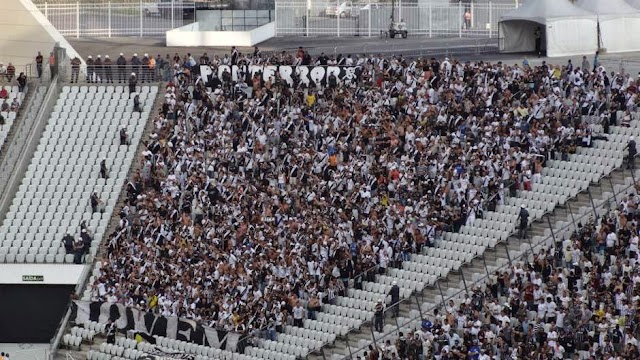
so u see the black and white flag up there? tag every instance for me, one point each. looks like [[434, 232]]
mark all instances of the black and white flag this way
[[172, 327]]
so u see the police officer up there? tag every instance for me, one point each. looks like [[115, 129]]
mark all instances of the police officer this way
[[75, 69], [122, 68], [108, 71], [135, 64], [90, 69], [98, 66]]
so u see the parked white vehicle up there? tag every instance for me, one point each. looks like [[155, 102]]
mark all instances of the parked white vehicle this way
[[345, 9]]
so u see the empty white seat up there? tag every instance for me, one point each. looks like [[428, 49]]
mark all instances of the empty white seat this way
[[65, 170]]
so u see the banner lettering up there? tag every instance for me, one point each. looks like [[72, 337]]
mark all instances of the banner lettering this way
[[309, 76], [145, 322]]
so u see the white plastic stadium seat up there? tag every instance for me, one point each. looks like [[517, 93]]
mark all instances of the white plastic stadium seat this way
[[54, 196]]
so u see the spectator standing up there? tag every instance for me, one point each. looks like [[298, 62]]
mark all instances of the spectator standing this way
[[108, 70], [136, 103], [121, 62], [75, 69], [124, 137], [523, 216], [78, 251], [111, 332], [631, 148], [298, 315], [67, 242], [52, 65], [467, 19], [378, 316], [96, 203], [104, 172], [22, 82], [11, 72], [133, 83], [394, 292], [3, 71], [39, 61]]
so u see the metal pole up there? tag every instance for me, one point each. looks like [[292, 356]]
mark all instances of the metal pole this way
[[109, 11], [613, 190], [430, 20], [46, 10], [472, 10], [346, 339], [400, 10], [141, 18], [338, 16], [441, 294], [464, 282], [373, 337], [77, 19], [553, 234], [306, 21], [506, 247], [173, 11], [419, 307], [593, 206], [517, 4], [573, 220], [490, 20], [460, 19], [369, 16]]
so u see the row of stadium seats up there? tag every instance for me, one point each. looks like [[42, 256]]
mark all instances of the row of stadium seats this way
[[53, 198]]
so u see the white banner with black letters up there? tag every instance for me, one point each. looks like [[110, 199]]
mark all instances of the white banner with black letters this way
[[309, 76], [172, 327]]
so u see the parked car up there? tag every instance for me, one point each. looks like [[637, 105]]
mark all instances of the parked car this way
[[345, 9]]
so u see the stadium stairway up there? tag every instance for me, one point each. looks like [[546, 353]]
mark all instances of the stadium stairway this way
[[13, 136], [54, 195], [569, 188]]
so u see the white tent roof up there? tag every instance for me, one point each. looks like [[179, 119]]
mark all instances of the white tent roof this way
[[541, 10], [609, 7], [634, 3]]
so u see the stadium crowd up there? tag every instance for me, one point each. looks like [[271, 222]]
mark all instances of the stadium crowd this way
[[244, 205], [577, 300]]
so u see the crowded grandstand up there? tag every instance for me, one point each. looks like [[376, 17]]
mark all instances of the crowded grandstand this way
[[283, 202]]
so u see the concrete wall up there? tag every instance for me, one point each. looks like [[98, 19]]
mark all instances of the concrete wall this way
[[192, 35], [24, 31]]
